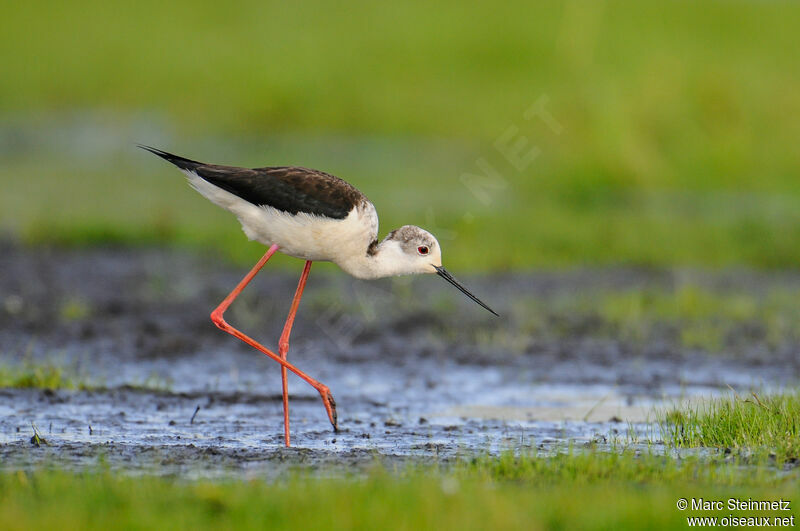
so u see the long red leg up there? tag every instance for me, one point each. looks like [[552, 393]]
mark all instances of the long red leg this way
[[217, 318], [283, 345]]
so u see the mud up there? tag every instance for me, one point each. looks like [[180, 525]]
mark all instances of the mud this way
[[411, 382]]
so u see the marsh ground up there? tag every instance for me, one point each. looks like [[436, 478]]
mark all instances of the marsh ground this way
[[581, 357]]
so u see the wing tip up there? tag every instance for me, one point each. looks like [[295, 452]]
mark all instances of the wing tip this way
[[181, 162]]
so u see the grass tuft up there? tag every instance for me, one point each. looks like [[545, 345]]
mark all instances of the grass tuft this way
[[757, 425], [49, 374], [43, 375]]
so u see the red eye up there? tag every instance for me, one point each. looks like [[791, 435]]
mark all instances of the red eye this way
[[422, 250]]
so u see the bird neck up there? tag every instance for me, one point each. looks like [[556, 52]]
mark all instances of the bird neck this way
[[384, 259]]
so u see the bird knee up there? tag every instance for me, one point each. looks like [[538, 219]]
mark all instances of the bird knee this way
[[283, 347], [217, 319]]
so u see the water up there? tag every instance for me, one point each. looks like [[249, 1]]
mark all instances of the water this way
[[404, 393]]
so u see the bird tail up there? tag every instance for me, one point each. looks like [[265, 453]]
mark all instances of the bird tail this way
[[180, 162]]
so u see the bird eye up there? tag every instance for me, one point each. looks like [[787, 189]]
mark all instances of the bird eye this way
[[423, 250]]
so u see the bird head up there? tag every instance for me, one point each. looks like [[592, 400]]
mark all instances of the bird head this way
[[417, 251]]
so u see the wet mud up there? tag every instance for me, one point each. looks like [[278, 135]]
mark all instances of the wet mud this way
[[418, 372]]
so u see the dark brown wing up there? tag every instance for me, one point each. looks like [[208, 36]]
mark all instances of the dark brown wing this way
[[290, 189]]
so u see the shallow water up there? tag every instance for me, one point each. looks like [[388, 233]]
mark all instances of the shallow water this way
[[384, 410], [403, 394]]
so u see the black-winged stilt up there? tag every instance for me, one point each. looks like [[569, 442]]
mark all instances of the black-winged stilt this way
[[314, 216]]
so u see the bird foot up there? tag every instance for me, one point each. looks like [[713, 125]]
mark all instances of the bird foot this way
[[330, 406]]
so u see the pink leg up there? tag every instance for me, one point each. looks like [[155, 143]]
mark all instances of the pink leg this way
[[217, 318], [283, 345]]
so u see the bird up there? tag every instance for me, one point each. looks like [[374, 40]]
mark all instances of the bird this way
[[314, 216]]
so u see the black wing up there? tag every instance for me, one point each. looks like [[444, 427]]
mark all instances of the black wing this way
[[290, 189]]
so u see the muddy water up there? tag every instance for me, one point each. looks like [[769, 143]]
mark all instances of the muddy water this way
[[175, 395]]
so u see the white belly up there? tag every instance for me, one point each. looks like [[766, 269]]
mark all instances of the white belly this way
[[301, 235]]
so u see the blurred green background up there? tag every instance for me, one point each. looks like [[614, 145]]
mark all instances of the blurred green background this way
[[671, 135]]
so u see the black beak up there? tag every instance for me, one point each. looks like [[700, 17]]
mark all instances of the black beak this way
[[442, 272]]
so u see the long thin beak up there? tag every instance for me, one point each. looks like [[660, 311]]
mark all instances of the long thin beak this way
[[442, 272]]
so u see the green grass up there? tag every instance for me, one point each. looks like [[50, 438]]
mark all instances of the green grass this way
[[761, 424], [42, 375], [51, 374], [586, 491], [690, 316], [678, 143]]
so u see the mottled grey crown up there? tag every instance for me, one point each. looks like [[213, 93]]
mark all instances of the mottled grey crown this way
[[410, 237]]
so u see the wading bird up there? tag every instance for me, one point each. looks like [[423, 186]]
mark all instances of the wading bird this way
[[313, 216]]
